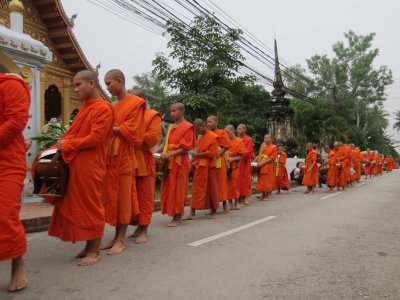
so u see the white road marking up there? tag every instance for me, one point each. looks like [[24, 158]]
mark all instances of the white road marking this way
[[229, 232], [331, 195]]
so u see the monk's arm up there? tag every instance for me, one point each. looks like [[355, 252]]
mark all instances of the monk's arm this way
[[222, 152], [153, 132], [102, 123], [132, 129], [16, 111], [236, 158]]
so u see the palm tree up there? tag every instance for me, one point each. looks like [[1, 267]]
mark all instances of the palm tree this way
[[397, 118]]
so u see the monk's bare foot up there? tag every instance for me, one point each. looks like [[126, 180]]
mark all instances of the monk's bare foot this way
[[306, 192], [238, 207], [246, 202], [108, 246], [142, 238], [278, 192], [226, 210], [136, 233], [118, 247], [188, 218], [18, 281], [211, 216], [174, 223], [90, 259], [259, 197]]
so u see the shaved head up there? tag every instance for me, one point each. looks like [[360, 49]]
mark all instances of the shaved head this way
[[88, 76], [116, 74], [213, 118], [244, 127], [230, 128], [199, 122], [179, 106], [139, 92]]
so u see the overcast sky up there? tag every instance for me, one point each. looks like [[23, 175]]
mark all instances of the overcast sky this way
[[302, 28]]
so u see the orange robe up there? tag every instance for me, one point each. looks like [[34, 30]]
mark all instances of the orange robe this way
[[221, 167], [146, 171], [80, 214], [360, 159], [375, 165], [369, 157], [354, 163], [204, 186], [237, 148], [174, 188], [347, 163], [120, 199], [311, 174], [341, 176], [282, 178], [245, 170], [14, 113], [267, 176], [331, 178]]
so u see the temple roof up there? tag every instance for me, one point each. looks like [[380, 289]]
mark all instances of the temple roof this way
[[60, 33]]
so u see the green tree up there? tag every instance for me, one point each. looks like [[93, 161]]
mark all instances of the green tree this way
[[350, 92], [150, 84], [250, 108], [208, 59]]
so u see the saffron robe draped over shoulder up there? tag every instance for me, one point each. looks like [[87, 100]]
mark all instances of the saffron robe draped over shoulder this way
[[369, 157], [120, 199], [80, 214], [237, 149], [145, 172], [341, 173], [311, 170], [174, 188], [14, 113], [204, 186], [221, 165], [331, 178], [282, 178], [245, 170], [267, 175]]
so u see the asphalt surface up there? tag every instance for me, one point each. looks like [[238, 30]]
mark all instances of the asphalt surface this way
[[345, 246]]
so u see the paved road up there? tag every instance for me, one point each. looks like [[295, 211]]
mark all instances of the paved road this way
[[343, 247]]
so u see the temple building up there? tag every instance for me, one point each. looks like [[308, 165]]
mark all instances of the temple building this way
[[37, 42], [280, 114]]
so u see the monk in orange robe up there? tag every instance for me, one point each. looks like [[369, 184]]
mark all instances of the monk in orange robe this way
[[311, 170], [145, 172], [14, 113], [120, 198], [235, 154], [245, 169], [340, 158], [79, 215], [179, 140], [267, 169], [331, 178], [375, 164], [347, 163], [282, 178], [353, 163], [204, 185], [368, 161], [360, 160], [221, 163]]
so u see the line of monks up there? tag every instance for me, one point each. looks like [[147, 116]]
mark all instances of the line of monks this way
[[343, 166], [109, 152]]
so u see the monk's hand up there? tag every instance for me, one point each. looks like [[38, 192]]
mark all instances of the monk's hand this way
[[166, 156], [60, 144]]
